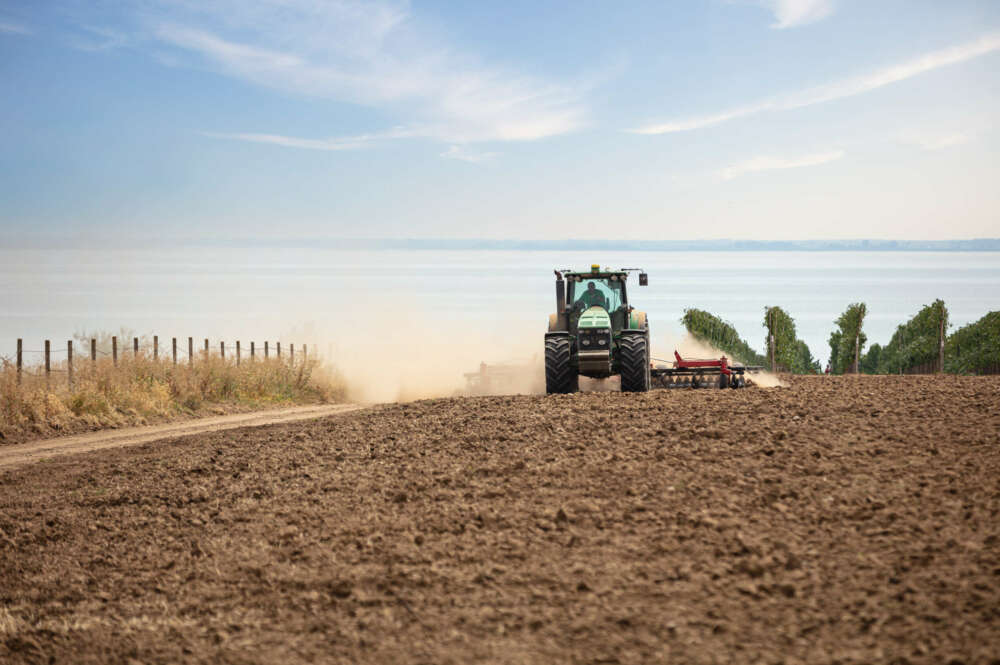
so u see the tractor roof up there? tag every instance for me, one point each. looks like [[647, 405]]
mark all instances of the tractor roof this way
[[595, 271]]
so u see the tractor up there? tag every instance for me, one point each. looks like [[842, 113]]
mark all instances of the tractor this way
[[595, 332]]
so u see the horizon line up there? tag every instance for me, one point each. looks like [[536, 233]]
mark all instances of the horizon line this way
[[71, 241]]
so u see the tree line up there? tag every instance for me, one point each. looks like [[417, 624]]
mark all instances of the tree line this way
[[785, 351], [920, 345]]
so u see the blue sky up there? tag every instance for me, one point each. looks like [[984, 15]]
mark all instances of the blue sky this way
[[769, 119]]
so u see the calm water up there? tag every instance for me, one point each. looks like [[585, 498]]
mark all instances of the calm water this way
[[328, 296]]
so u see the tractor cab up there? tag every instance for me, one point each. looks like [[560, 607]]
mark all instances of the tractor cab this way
[[597, 301]]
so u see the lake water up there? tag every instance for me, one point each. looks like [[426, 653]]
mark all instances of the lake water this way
[[420, 303]]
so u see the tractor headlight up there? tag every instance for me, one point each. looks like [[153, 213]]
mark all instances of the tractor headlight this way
[[602, 341]]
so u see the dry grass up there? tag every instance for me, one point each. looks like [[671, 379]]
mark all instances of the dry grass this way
[[141, 390]]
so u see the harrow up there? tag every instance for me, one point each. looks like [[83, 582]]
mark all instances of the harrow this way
[[699, 373]]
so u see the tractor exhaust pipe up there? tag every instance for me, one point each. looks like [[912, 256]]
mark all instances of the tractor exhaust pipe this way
[[561, 322]]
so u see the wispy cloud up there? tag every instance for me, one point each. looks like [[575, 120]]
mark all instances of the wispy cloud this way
[[793, 13], [327, 144], [377, 55], [838, 89], [97, 38], [464, 154], [933, 140], [11, 28], [769, 163]]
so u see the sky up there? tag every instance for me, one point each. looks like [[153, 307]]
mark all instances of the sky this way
[[749, 119]]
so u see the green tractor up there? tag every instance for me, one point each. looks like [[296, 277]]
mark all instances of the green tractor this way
[[595, 332]]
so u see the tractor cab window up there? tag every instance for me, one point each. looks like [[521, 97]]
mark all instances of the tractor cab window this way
[[595, 291]]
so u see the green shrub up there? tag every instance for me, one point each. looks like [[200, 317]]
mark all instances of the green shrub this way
[[720, 334], [974, 348], [842, 341], [915, 342], [804, 361], [790, 353], [871, 361]]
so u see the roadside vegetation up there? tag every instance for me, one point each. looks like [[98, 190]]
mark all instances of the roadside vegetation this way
[[140, 390]]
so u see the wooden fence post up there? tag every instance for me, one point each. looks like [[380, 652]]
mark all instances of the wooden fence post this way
[[69, 363], [857, 351], [190, 350], [93, 351], [174, 349], [277, 348], [305, 350], [114, 350], [135, 348], [222, 350], [770, 332], [20, 358], [48, 364], [291, 353], [251, 350], [237, 353], [941, 345], [266, 350], [156, 347], [206, 349]]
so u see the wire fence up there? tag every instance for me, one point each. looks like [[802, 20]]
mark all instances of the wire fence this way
[[74, 358]]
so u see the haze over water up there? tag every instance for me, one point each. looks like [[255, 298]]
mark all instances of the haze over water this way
[[424, 299]]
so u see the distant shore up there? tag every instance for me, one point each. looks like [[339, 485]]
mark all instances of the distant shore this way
[[40, 241]]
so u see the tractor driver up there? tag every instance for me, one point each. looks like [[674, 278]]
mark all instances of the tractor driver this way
[[592, 297]]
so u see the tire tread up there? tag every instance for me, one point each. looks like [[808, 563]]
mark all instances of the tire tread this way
[[560, 376], [634, 358]]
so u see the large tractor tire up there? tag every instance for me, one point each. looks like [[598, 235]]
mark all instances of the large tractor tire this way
[[560, 375], [634, 354]]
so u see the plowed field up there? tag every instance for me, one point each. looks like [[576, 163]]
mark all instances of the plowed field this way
[[840, 520]]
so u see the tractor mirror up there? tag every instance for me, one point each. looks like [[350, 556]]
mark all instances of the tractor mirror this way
[[643, 279]]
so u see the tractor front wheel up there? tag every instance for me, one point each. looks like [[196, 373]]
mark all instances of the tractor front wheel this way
[[634, 352], [560, 376]]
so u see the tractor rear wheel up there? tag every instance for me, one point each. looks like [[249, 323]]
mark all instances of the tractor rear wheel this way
[[560, 376], [634, 352]]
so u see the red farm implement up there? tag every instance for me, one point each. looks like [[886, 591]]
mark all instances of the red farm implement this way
[[699, 373]]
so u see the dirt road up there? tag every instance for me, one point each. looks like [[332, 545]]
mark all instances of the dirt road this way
[[840, 520], [46, 449]]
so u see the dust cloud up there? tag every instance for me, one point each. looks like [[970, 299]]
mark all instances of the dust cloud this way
[[417, 354], [388, 354], [764, 379]]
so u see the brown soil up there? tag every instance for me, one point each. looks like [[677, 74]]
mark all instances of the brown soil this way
[[840, 520], [46, 449], [130, 418]]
